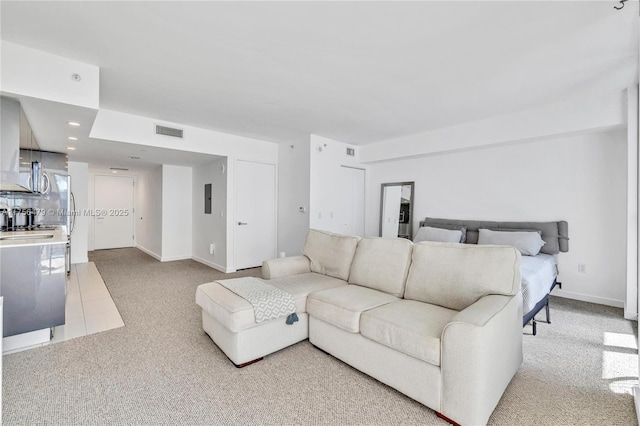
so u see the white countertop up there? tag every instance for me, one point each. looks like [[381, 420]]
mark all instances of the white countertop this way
[[32, 238]]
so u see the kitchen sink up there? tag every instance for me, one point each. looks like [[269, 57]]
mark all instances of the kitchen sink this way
[[26, 237]]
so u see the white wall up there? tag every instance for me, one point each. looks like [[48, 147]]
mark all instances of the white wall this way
[[631, 300], [129, 128], [210, 228], [327, 209], [38, 74], [586, 113], [293, 194], [79, 173], [148, 212], [117, 126], [162, 210], [176, 212], [581, 179]]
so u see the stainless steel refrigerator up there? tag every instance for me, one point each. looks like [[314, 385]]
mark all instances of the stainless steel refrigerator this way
[[53, 202]]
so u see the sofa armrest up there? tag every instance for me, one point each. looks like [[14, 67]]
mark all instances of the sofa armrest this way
[[284, 266], [480, 353]]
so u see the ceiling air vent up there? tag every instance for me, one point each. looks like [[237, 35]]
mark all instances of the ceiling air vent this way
[[122, 169], [168, 131]]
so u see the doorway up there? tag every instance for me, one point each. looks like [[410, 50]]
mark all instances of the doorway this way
[[255, 224], [113, 212], [353, 201]]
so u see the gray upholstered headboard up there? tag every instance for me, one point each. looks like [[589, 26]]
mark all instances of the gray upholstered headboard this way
[[554, 234]]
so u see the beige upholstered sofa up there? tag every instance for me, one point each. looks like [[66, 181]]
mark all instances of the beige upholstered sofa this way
[[440, 323]]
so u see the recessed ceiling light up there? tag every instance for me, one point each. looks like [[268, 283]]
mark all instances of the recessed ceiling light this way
[[73, 123], [114, 171], [70, 148], [72, 138]]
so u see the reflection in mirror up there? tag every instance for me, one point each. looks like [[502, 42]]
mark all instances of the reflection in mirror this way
[[396, 210]]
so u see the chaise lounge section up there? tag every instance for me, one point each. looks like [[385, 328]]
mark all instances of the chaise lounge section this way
[[230, 320], [438, 322]]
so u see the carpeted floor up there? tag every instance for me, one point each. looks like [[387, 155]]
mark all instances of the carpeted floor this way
[[161, 368]]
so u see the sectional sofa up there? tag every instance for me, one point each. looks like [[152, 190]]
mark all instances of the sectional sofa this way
[[439, 322]]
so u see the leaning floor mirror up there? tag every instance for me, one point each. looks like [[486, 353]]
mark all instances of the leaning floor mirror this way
[[396, 210]]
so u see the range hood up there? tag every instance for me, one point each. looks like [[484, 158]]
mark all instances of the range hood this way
[[14, 127]]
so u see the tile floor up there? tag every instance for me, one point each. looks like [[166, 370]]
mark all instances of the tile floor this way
[[89, 307]]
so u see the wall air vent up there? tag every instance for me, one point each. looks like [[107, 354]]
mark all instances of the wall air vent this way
[[351, 152], [168, 131], [133, 157]]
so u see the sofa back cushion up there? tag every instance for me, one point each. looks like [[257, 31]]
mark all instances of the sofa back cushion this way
[[455, 276], [382, 264], [330, 254]]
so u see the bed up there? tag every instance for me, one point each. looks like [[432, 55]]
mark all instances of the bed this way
[[539, 272]]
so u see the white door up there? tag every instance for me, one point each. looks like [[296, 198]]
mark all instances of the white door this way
[[391, 211], [353, 201], [113, 203], [255, 213]]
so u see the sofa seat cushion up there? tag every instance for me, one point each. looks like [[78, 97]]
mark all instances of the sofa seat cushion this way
[[236, 314], [382, 264], [342, 306], [408, 326], [299, 286]]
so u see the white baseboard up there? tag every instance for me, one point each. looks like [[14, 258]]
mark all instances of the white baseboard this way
[[636, 398], [160, 258], [79, 260], [24, 341], [212, 264], [588, 298], [172, 258], [149, 252], [633, 316]]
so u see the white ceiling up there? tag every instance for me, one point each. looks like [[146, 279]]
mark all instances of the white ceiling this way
[[357, 72]]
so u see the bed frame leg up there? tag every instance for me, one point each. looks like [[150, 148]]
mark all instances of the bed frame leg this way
[[547, 311], [533, 323]]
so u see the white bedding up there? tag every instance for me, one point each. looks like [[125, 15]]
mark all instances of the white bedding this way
[[538, 273]]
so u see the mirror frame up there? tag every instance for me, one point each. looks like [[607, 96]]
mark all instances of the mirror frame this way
[[382, 187]]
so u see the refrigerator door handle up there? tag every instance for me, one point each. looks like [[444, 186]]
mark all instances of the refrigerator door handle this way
[[47, 184]]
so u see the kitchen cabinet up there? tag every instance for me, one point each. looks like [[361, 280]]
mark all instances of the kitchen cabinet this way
[[32, 281]]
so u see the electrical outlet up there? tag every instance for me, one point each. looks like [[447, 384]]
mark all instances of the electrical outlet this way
[[212, 248], [582, 268]]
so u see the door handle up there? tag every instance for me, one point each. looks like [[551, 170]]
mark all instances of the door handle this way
[[242, 223]]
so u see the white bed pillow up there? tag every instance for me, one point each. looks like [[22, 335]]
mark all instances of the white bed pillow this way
[[428, 233], [528, 243]]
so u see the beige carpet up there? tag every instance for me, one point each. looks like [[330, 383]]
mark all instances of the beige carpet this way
[[160, 368]]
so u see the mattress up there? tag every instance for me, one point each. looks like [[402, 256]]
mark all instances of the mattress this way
[[538, 273]]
